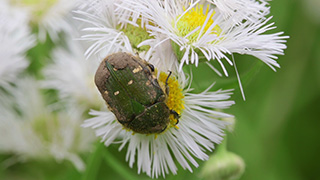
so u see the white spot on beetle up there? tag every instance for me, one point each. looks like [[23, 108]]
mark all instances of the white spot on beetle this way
[[116, 93], [138, 69]]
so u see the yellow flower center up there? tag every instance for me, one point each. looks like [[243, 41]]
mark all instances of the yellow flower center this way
[[175, 98], [37, 7], [193, 19]]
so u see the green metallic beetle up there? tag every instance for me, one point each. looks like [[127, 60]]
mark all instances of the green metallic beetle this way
[[129, 86]]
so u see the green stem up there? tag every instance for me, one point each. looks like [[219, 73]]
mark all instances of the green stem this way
[[118, 167], [222, 147], [94, 163]]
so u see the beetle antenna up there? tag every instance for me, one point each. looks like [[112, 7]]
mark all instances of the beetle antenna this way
[[170, 72], [167, 87]]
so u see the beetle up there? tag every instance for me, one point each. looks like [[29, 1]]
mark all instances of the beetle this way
[[132, 92]]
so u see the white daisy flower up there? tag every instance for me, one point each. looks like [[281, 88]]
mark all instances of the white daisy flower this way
[[184, 139], [49, 16], [72, 75], [240, 10], [162, 57], [15, 40], [200, 30], [30, 130], [107, 32]]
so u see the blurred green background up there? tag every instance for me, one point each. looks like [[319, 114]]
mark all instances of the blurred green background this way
[[277, 128]]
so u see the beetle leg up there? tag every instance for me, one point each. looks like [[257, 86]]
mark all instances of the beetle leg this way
[[167, 87], [151, 67], [163, 129], [176, 115], [148, 68], [177, 121]]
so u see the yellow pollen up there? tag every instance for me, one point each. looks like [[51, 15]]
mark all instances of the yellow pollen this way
[[193, 19], [175, 98]]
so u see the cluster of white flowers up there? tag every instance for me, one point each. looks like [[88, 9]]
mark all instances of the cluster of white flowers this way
[[48, 16], [35, 132], [169, 34], [29, 127], [200, 30], [16, 39], [72, 75]]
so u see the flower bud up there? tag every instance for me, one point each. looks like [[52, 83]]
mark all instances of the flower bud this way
[[223, 166]]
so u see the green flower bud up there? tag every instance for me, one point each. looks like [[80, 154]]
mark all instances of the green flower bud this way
[[223, 166]]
